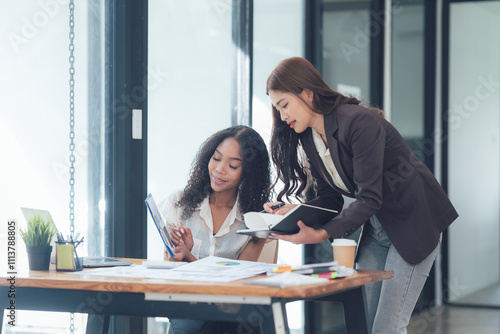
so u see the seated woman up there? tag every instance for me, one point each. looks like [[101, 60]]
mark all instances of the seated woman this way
[[230, 176]]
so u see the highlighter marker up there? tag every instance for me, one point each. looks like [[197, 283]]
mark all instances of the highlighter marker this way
[[283, 269], [329, 275]]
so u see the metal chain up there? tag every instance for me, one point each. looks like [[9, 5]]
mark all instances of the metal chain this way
[[72, 131]]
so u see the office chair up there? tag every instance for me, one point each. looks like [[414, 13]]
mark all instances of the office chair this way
[[269, 253]]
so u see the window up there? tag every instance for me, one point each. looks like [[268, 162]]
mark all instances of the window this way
[[34, 127]]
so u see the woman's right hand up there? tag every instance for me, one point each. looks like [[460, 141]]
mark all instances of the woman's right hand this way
[[182, 236], [279, 211]]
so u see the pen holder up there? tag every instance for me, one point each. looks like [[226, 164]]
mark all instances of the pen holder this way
[[66, 256]]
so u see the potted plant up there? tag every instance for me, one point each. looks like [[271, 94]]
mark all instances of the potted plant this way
[[37, 237]]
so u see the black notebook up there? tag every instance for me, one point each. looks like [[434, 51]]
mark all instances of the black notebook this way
[[260, 225]]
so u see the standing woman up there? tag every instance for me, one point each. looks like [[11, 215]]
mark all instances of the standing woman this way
[[353, 151]]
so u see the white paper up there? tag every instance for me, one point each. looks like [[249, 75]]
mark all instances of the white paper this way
[[261, 221], [286, 279], [223, 266], [210, 269], [161, 264]]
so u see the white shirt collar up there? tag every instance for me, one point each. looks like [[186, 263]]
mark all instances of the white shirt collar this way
[[234, 215]]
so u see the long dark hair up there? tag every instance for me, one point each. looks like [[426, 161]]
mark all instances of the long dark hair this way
[[255, 178], [293, 75]]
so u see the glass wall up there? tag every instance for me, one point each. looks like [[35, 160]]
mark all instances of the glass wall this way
[[474, 152], [407, 89], [409, 71], [34, 127], [278, 33], [190, 47], [346, 49], [190, 87], [346, 40]]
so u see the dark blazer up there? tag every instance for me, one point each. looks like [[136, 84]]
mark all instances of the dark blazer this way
[[385, 178]]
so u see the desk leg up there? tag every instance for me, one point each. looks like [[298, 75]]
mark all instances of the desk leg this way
[[355, 316], [279, 318], [97, 324]]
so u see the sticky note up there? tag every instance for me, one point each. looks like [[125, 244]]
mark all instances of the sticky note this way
[[64, 257]]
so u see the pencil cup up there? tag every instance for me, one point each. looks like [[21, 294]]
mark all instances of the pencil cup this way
[[66, 257], [344, 251]]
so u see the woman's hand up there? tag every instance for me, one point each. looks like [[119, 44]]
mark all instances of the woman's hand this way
[[182, 253], [166, 256], [182, 236], [306, 235], [175, 234], [279, 211]]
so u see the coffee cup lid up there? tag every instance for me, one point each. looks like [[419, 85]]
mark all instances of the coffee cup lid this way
[[343, 242]]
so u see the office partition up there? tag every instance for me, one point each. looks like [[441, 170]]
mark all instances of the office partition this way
[[472, 118]]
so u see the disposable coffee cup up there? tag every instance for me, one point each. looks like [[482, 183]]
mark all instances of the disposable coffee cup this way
[[344, 251]]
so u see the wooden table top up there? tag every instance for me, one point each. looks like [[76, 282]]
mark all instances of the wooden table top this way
[[53, 279]]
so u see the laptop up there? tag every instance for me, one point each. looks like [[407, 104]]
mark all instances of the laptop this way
[[88, 262], [94, 262]]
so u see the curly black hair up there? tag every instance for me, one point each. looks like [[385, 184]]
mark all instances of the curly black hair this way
[[255, 185]]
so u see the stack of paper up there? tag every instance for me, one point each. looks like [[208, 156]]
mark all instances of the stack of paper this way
[[286, 279], [161, 264], [313, 268], [209, 269], [328, 270]]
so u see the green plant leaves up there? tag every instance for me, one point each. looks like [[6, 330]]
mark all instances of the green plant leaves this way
[[39, 231]]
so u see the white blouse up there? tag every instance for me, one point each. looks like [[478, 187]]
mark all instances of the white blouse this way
[[226, 243], [324, 154]]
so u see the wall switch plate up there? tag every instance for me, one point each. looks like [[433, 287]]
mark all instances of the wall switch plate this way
[[136, 124]]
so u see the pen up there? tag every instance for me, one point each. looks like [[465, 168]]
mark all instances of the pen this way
[[300, 270], [172, 226], [77, 260], [78, 242], [316, 270], [274, 207]]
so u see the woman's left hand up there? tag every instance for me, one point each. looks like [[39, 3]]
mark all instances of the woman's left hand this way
[[306, 235]]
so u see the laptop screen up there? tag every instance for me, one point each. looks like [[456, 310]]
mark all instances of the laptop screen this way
[[99, 261]]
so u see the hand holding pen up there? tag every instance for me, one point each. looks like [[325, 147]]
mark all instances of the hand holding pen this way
[[277, 208], [181, 235]]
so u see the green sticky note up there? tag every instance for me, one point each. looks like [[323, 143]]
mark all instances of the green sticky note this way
[[64, 257]]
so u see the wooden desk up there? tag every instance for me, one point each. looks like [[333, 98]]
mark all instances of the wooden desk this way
[[105, 296]]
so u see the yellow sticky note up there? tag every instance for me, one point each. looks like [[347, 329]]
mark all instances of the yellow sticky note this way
[[64, 255]]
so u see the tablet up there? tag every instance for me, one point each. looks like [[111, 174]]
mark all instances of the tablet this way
[[160, 225]]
